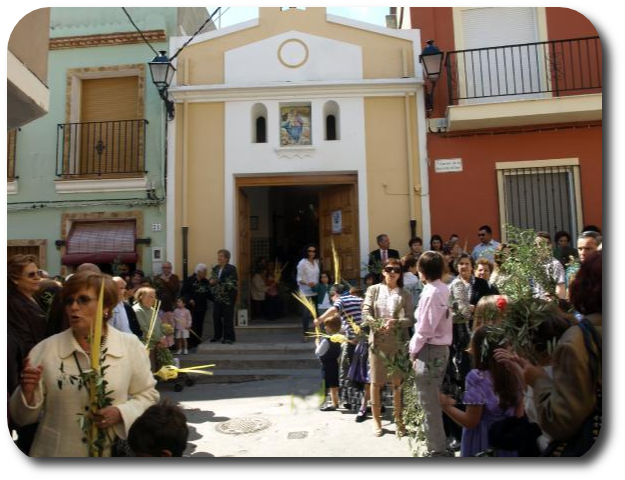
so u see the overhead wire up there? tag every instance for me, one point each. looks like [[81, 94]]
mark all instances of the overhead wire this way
[[140, 32], [218, 9]]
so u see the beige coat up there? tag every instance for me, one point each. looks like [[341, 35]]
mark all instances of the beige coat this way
[[566, 400], [128, 376], [391, 342]]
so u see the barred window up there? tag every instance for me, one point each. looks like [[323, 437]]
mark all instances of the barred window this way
[[543, 198]]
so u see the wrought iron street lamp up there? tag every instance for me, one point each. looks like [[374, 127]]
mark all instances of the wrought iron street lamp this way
[[162, 72], [432, 60]]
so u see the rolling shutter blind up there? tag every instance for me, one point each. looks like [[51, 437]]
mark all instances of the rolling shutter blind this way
[[492, 27], [108, 99]]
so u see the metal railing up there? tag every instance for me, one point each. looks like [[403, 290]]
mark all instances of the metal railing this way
[[11, 154], [115, 148], [559, 67]]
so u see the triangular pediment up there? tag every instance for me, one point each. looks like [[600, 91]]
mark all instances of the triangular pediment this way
[[293, 57]]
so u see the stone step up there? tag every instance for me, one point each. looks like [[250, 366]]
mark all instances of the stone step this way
[[246, 348], [221, 376], [269, 330], [252, 362]]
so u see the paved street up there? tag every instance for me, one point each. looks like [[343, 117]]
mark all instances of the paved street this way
[[296, 428]]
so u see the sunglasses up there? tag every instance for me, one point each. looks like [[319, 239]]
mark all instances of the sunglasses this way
[[38, 273], [392, 269], [81, 300]]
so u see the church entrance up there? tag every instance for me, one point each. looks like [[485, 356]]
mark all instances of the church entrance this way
[[278, 218]]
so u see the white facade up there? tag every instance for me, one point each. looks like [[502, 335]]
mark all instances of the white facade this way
[[293, 57], [261, 62], [297, 68]]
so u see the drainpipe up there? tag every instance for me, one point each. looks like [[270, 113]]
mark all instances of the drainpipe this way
[[185, 190], [411, 189], [424, 190], [185, 177]]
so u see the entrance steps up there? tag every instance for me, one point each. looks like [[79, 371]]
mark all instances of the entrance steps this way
[[263, 351]]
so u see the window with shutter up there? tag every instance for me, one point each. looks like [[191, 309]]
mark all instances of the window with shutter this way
[[110, 131], [512, 70], [11, 150]]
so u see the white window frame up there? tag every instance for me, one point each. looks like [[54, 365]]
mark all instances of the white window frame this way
[[501, 168]]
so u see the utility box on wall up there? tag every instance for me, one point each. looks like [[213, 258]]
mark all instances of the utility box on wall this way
[[242, 318], [157, 259]]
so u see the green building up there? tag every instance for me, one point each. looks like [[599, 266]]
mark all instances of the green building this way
[[86, 182]]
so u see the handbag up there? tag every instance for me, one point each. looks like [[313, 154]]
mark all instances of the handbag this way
[[587, 434]]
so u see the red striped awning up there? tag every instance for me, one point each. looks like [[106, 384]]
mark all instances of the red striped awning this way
[[101, 242]]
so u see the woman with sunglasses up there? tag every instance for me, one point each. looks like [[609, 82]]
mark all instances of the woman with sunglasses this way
[[27, 326], [45, 393], [308, 272], [390, 303], [25, 317]]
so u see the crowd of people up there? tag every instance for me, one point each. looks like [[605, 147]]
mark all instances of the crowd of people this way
[[433, 315], [50, 325], [479, 390]]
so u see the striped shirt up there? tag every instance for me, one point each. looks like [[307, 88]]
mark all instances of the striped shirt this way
[[349, 306]]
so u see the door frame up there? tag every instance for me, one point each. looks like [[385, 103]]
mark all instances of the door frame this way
[[295, 180]]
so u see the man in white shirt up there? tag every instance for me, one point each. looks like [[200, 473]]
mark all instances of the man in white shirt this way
[[119, 319]]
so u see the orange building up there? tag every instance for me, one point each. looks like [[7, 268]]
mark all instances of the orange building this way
[[515, 128]]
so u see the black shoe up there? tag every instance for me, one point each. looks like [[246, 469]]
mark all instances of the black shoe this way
[[347, 406], [453, 445], [213, 340], [227, 342], [361, 416], [447, 453], [328, 408]]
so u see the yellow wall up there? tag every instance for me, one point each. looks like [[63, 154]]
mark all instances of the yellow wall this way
[[382, 55], [387, 164], [205, 193]]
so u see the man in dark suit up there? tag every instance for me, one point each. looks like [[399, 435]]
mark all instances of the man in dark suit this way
[[378, 257], [224, 286]]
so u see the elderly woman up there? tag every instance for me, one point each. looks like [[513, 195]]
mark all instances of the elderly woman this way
[[196, 292], [389, 303], [24, 315], [45, 393], [144, 308], [26, 327]]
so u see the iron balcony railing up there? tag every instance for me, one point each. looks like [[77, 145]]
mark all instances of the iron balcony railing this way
[[531, 70], [11, 154], [115, 148]]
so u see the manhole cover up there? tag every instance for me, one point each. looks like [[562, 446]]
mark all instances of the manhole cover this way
[[239, 426]]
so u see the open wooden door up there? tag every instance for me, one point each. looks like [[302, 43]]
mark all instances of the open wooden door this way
[[243, 250], [338, 207]]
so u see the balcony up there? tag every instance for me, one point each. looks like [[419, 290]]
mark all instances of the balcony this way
[[558, 81], [101, 149], [101, 156]]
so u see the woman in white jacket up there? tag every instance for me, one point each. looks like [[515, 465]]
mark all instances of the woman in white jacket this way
[[45, 394]]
